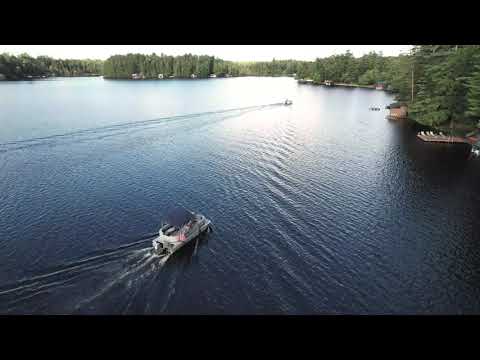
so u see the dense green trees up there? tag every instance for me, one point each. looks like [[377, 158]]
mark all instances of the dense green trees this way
[[150, 66], [444, 84], [25, 66], [473, 97], [441, 83], [345, 68], [184, 66]]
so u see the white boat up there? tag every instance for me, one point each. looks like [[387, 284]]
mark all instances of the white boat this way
[[179, 228]]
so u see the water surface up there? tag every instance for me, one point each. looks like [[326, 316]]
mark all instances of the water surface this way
[[319, 207]]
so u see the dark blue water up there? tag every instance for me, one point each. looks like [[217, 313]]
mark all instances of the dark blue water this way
[[322, 207]]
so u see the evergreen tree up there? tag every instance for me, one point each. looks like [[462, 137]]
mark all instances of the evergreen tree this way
[[473, 96]]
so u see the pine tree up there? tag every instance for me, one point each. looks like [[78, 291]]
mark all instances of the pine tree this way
[[473, 95]]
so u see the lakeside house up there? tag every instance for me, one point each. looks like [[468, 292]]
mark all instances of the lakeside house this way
[[160, 76], [398, 110], [138, 76], [380, 86]]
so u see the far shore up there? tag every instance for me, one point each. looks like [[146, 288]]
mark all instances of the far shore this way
[[316, 83], [45, 77]]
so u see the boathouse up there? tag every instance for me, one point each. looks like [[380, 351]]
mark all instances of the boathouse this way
[[398, 110]]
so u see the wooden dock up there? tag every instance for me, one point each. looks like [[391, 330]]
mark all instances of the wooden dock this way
[[393, 117], [443, 139], [334, 84], [356, 86]]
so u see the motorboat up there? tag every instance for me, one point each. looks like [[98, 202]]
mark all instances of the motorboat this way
[[288, 102], [179, 227]]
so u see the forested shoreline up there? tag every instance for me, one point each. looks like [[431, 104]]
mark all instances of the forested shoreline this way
[[24, 67], [188, 66], [439, 83]]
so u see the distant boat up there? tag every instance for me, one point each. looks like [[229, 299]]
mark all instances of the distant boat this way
[[288, 102]]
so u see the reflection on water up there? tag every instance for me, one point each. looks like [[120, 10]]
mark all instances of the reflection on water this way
[[319, 207]]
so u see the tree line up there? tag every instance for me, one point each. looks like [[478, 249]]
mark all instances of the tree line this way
[[440, 83], [184, 66], [345, 68], [24, 67], [444, 86]]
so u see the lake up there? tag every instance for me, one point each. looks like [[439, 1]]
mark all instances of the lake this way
[[321, 207]]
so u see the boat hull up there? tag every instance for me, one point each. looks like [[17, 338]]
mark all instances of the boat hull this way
[[167, 245]]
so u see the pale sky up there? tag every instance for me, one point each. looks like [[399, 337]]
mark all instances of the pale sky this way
[[225, 52]]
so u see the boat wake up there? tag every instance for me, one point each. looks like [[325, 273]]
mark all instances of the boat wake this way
[[86, 281], [99, 133]]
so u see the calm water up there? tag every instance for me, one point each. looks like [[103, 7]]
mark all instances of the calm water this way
[[322, 207]]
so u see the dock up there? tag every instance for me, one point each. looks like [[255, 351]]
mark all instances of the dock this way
[[333, 84], [443, 139], [305, 81], [356, 86], [393, 117]]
